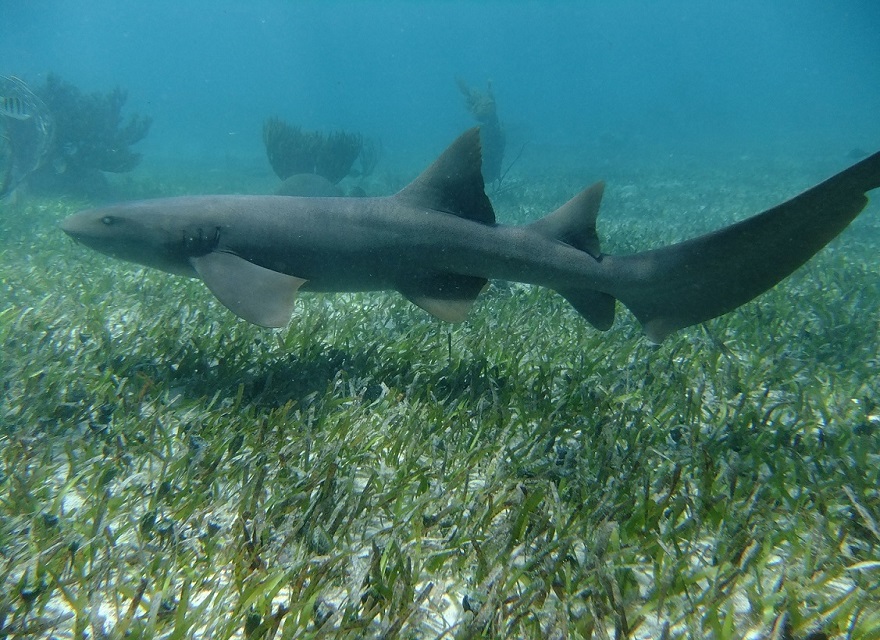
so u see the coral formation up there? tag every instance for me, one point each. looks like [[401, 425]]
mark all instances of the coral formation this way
[[91, 137], [293, 151]]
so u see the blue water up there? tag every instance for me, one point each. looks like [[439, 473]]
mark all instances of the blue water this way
[[659, 77]]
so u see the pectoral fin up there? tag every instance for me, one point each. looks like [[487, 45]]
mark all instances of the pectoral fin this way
[[251, 292]]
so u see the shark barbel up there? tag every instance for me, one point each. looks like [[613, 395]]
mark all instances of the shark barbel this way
[[437, 243]]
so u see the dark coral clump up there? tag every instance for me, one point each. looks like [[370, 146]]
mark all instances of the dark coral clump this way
[[91, 137], [293, 151], [484, 109]]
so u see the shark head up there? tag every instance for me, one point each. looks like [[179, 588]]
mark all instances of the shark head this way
[[182, 236], [150, 233]]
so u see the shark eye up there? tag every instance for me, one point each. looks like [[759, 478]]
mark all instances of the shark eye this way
[[107, 220]]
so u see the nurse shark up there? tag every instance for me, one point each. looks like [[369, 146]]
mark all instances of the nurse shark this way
[[437, 243]]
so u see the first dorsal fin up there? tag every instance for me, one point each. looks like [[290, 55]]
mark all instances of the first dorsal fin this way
[[454, 183]]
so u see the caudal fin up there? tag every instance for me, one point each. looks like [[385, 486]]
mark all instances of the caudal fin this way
[[574, 223], [686, 283]]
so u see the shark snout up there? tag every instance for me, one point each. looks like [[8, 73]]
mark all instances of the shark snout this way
[[86, 225], [76, 225], [68, 227], [86, 228]]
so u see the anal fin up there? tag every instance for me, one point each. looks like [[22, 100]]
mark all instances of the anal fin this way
[[596, 307], [259, 295]]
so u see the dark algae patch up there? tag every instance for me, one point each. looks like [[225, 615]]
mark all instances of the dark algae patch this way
[[167, 470]]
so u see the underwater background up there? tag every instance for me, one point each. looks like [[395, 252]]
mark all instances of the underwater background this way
[[664, 77], [167, 470]]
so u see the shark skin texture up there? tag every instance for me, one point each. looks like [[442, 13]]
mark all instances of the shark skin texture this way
[[437, 243]]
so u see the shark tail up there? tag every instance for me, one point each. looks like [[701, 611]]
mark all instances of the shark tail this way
[[574, 223], [687, 283]]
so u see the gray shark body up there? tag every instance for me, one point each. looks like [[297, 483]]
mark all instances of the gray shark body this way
[[437, 243]]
